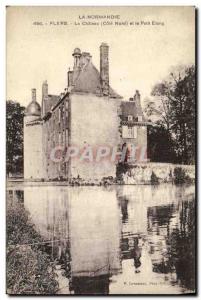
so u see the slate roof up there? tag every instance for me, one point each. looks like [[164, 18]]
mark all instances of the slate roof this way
[[130, 108], [48, 104], [87, 80]]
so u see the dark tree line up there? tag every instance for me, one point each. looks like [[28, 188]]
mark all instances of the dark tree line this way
[[14, 138], [172, 137]]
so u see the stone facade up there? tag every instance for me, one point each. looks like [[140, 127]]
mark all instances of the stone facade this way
[[56, 135], [134, 129], [89, 114], [100, 129]]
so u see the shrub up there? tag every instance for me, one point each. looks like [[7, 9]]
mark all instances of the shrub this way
[[121, 169], [180, 176], [154, 179]]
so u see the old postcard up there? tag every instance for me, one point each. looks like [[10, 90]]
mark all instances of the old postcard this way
[[100, 154]]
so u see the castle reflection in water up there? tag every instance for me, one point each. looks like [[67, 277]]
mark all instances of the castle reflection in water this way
[[93, 233]]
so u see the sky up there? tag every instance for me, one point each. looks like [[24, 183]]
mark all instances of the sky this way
[[140, 52]]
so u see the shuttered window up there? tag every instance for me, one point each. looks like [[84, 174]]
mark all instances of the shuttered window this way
[[129, 132]]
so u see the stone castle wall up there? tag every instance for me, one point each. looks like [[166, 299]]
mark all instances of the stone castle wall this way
[[94, 122], [152, 173]]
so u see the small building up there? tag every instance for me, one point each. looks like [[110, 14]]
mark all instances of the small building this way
[[134, 129]]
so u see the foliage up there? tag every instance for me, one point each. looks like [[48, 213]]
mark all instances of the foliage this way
[[180, 176], [121, 169], [29, 268], [19, 229], [160, 144], [14, 137], [29, 272], [173, 105]]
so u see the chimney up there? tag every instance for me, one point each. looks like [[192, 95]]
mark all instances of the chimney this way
[[104, 68], [137, 99], [70, 78], [44, 90], [33, 95]]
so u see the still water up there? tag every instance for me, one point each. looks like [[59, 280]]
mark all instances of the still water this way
[[117, 240]]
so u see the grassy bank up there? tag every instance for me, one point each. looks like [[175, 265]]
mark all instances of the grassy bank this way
[[29, 268]]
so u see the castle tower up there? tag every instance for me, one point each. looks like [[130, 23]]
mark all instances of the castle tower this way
[[33, 166]]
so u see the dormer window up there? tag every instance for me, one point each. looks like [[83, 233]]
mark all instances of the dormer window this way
[[139, 118], [130, 118]]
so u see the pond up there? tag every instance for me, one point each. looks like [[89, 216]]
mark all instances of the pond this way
[[117, 239]]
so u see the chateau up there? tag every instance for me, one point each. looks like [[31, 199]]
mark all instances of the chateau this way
[[88, 115]]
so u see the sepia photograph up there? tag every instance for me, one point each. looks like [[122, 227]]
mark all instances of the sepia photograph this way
[[101, 150]]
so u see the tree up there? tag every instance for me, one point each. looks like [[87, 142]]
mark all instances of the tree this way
[[174, 104], [183, 114], [160, 144], [14, 137]]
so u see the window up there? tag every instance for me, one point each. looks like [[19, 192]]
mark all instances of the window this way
[[129, 132], [130, 118], [139, 118], [59, 138], [64, 137]]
